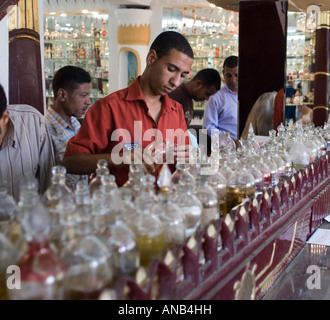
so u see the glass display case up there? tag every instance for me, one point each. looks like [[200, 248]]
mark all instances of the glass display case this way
[[80, 41], [300, 65]]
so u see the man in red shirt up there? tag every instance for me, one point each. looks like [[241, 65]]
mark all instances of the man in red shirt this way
[[127, 125]]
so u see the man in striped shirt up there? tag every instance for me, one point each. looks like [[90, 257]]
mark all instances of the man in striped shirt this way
[[25, 146], [71, 87]]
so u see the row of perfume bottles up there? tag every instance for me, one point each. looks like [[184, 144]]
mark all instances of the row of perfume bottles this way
[[79, 32], [90, 237], [76, 50], [299, 48], [206, 28], [300, 73], [205, 48]]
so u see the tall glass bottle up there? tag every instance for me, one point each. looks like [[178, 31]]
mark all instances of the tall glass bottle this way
[[209, 199], [219, 183], [102, 169], [59, 201], [168, 212], [82, 213], [149, 229], [150, 235], [299, 153], [189, 204]]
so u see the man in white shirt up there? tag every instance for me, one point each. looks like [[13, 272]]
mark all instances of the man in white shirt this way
[[25, 146]]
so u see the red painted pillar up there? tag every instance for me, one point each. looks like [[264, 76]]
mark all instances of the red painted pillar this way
[[322, 54]]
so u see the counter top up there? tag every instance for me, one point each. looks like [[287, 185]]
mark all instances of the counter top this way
[[307, 277]]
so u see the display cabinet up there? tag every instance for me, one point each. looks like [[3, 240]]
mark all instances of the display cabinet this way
[[300, 63], [77, 41]]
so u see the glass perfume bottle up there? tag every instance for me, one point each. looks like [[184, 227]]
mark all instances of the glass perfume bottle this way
[[241, 186], [150, 235], [59, 201], [102, 169], [121, 242], [209, 199], [299, 153], [189, 203], [89, 271], [82, 213], [168, 212]]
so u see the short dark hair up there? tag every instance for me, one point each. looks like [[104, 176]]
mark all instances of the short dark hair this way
[[168, 40], [3, 100], [209, 77], [69, 77], [230, 62]]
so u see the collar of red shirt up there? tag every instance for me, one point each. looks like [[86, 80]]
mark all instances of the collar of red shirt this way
[[134, 92]]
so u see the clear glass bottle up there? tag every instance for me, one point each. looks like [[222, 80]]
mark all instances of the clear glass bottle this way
[[219, 183], [59, 201], [209, 199], [82, 213], [241, 186], [89, 272], [134, 181], [189, 204], [102, 169], [182, 169], [311, 146], [147, 197], [299, 153], [121, 242], [7, 206], [168, 212]]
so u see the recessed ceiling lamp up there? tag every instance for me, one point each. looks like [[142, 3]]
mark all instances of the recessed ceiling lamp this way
[[52, 13], [63, 14], [95, 13], [84, 11]]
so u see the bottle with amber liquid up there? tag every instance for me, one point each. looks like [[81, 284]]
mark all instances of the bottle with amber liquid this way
[[241, 186], [148, 228]]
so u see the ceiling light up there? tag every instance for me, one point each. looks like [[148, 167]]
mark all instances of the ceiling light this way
[[84, 11]]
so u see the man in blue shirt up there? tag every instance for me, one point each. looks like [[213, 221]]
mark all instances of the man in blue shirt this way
[[221, 110]]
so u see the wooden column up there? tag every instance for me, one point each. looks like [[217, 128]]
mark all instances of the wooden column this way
[[322, 52], [25, 72]]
